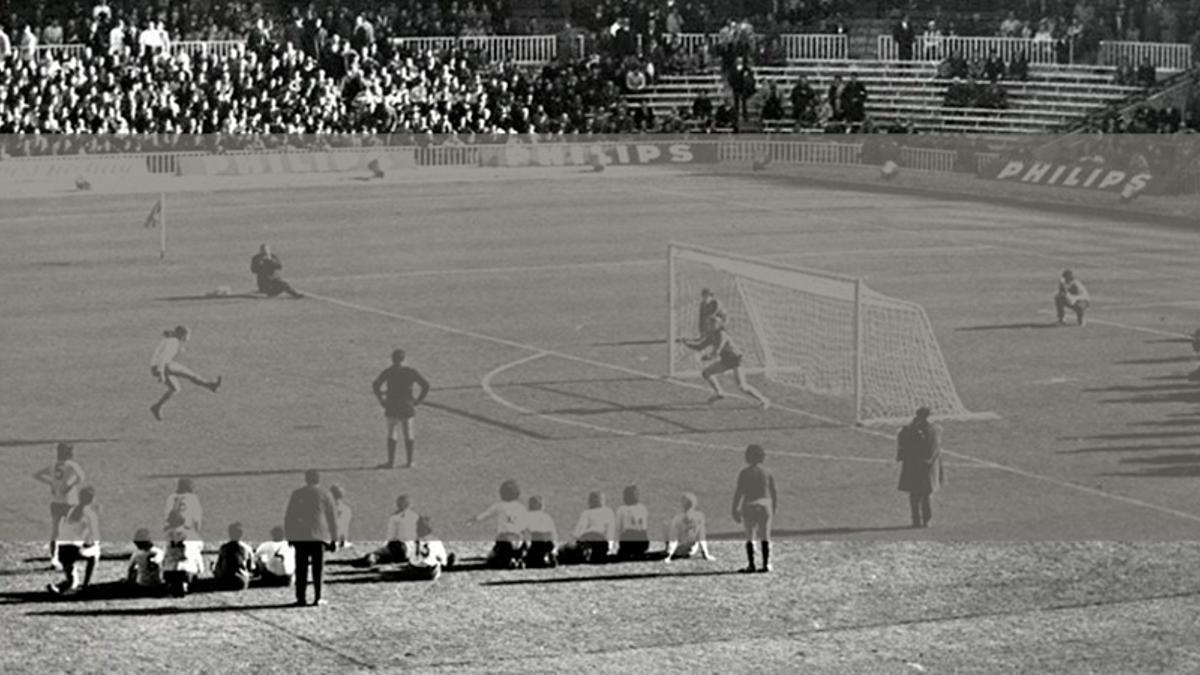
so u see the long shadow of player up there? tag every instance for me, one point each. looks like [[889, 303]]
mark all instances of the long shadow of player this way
[[629, 576], [212, 296], [168, 610]]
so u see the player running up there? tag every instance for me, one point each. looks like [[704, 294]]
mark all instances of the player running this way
[[394, 390], [168, 371], [729, 357]]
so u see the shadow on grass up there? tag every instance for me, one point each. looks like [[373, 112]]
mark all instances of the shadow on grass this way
[[631, 576], [814, 532], [201, 298], [1157, 361], [1170, 341], [1129, 448], [631, 343], [1149, 435], [475, 417], [23, 442], [1007, 326], [161, 611]]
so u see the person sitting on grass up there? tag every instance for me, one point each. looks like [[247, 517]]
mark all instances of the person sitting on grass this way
[[266, 266], [275, 560], [508, 552], [145, 574], [401, 536], [542, 536], [595, 534], [78, 541], [687, 534], [183, 561], [235, 562], [428, 555], [632, 534], [1071, 295]]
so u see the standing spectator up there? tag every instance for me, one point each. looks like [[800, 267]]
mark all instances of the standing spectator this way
[[804, 100], [1147, 74], [293, 33], [64, 478], [344, 515], [754, 505], [854, 103], [836, 99], [116, 37], [931, 42], [29, 44], [52, 34], [80, 542], [743, 84], [310, 523], [364, 34], [5, 43], [258, 39], [1010, 27], [905, 36], [394, 390], [918, 449], [315, 38]]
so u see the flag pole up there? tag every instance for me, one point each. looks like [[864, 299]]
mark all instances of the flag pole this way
[[162, 226]]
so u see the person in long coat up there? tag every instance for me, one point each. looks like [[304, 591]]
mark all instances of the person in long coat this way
[[918, 449]]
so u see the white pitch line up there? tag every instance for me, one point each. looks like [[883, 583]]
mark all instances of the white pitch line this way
[[486, 270], [600, 364], [486, 384], [1130, 327]]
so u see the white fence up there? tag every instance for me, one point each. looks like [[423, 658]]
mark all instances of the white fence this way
[[940, 47], [797, 46], [448, 155], [1165, 55], [928, 159], [217, 49], [525, 49], [790, 152]]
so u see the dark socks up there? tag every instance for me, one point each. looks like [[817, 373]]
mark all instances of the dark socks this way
[[766, 553], [750, 553], [408, 450], [391, 445]]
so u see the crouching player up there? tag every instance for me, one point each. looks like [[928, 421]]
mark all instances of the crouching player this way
[[728, 357], [145, 574], [509, 550], [428, 556], [687, 534], [1071, 295], [542, 536]]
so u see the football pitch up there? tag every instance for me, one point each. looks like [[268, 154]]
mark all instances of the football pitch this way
[[536, 306]]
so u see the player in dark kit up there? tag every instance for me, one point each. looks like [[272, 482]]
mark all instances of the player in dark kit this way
[[394, 390], [754, 504], [266, 267]]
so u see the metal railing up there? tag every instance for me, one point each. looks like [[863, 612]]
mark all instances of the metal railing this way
[[1165, 55], [938, 48], [790, 152], [524, 49], [928, 159], [448, 155]]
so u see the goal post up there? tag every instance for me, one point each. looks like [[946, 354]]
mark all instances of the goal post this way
[[819, 332]]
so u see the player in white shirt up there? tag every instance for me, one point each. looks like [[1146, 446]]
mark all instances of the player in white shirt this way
[[429, 555], [183, 561], [1073, 295], [183, 508], [688, 533], [400, 538], [542, 536], [595, 533], [275, 560], [64, 479], [167, 370], [145, 574], [79, 541], [510, 515], [632, 526], [344, 514]]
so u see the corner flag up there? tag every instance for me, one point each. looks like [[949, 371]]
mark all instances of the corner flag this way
[[155, 217], [158, 218]]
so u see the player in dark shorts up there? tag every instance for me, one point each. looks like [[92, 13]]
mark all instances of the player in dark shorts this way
[[394, 390], [754, 504], [728, 357], [266, 266]]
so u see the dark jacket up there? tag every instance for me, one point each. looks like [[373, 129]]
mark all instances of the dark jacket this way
[[311, 515], [918, 449]]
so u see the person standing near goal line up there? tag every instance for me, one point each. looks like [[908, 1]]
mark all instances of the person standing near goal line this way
[[394, 391], [168, 371], [710, 311], [728, 356]]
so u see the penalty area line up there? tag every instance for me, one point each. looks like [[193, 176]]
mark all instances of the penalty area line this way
[[490, 390], [631, 371]]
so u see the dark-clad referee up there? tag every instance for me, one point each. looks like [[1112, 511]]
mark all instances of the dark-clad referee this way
[[394, 390]]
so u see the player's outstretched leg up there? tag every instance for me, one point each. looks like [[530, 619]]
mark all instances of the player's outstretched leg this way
[[749, 390], [180, 370], [710, 376]]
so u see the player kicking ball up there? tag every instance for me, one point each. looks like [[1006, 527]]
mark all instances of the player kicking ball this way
[[728, 358], [394, 391], [166, 370]]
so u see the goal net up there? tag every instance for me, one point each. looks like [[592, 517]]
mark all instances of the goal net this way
[[814, 331]]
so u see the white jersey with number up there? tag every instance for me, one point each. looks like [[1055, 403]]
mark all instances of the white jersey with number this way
[[65, 479], [431, 553], [276, 557], [510, 517], [187, 504], [633, 518]]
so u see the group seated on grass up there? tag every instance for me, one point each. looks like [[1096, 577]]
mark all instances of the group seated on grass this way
[[526, 537]]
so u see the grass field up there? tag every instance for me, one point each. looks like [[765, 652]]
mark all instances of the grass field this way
[[535, 304]]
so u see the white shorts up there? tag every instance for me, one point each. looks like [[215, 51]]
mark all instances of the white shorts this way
[[405, 425]]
